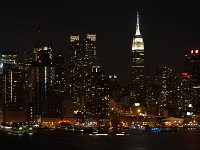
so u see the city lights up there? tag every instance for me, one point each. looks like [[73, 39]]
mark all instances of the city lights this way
[[61, 94]]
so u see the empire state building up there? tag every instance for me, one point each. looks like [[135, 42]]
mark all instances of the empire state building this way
[[137, 67]]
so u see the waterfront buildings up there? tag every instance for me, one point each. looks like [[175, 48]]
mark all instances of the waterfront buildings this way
[[42, 89]]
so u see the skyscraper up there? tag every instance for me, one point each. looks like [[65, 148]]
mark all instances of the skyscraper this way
[[42, 76], [9, 75], [137, 66], [89, 52], [76, 73], [192, 65], [97, 95], [165, 101], [12, 88], [82, 58], [183, 95]]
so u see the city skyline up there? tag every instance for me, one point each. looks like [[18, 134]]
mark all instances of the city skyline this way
[[98, 68], [167, 31]]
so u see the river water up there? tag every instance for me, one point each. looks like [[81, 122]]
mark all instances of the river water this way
[[141, 140]]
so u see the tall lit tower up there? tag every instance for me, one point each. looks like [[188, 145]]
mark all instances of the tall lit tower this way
[[137, 64], [138, 54], [82, 58], [76, 73]]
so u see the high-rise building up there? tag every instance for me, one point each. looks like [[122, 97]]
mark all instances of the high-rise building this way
[[115, 89], [97, 95], [137, 78], [89, 52], [59, 83], [12, 89], [192, 67], [150, 90], [76, 73], [82, 58], [183, 95], [165, 78], [42, 76], [9, 76]]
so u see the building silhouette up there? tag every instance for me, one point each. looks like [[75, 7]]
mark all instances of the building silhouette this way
[[42, 78]]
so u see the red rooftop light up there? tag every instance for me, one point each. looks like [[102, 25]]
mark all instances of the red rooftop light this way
[[186, 75]]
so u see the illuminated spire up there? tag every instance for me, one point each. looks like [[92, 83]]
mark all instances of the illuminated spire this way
[[138, 43], [137, 25]]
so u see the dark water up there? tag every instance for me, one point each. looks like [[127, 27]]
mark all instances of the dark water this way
[[181, 140]]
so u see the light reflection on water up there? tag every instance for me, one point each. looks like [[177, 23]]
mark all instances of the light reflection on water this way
[[180, 140]]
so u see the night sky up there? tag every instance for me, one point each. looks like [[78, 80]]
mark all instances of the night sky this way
[[168, 29]]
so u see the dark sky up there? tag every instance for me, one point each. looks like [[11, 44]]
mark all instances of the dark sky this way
[[168, 29]]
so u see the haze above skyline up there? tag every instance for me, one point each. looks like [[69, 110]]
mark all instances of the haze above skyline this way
[[167, 29]]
